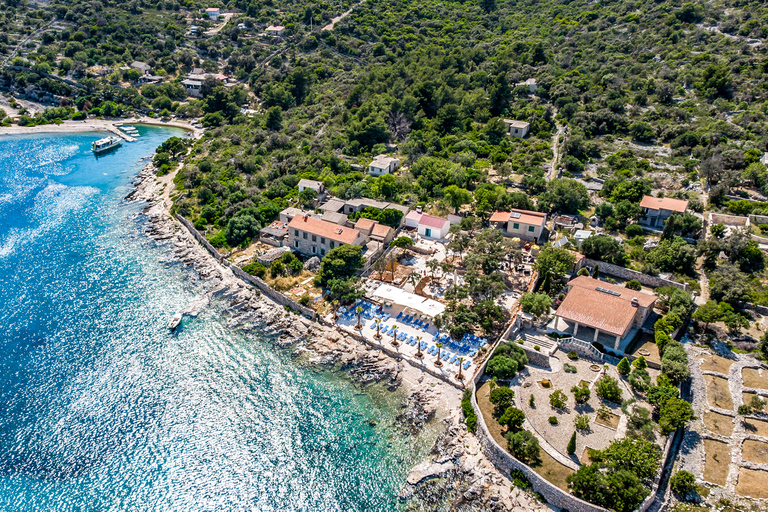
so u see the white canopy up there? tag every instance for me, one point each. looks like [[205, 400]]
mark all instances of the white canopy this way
[[423, 305]]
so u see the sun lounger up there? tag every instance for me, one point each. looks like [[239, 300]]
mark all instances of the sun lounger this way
[[466, 364]]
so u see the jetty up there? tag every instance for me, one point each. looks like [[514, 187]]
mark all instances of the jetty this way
[[114, 129]]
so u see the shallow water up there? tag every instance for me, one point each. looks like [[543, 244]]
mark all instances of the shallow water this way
[[104, 409]]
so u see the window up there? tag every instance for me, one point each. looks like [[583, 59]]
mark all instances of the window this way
[[322, 240], [314, 238], [296, 232], [296, 244], [305, 236], [322, 252], [514, 226], [530, 229], [314, 249], [331, 244]]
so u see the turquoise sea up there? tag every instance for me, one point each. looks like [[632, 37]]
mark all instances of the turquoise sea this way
[[102, 409]]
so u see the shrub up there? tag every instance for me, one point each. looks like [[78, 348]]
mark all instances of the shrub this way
[[633, 284], [519, 479], [469, 413], [553, 420], [573, 356], [531, 401], [523, 446], [255, 269], [558, 399], [581, 422], [674, 363], [633, 230], [304, 300], [536, 347], [582, 272], [581, 394], [572, 444], [608, 389], [683, 482]]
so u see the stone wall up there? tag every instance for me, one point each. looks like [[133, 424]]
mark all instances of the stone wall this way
[[265, 288], [625, 273], [758, 219]]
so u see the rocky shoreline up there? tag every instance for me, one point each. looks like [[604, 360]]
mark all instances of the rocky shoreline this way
[[457, 474]]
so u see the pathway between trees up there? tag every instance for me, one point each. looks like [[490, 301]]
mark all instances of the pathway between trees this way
[[552, 174], [337, 19]]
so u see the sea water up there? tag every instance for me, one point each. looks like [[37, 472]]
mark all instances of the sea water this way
[[102, 408]]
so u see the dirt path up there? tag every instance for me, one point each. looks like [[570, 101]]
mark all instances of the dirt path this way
[[27, 39], [337, 19], [552, 174], [216, 30]]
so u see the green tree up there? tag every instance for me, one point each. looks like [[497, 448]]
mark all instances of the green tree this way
[[608, 389], [623, 366], [501, 398], [341, 262], [274, 120], [536, 304], [457, 197], [513, 418], [674, 414], [552, 264], [558, 399], [572, 444], [683, 482], [604, 248], [581, 394], [564, 196], [523, 446]]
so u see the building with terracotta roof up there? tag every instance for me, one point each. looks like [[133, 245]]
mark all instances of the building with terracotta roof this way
[[597, 311], [524, 224], [213, 13], [315, 237], [656, 210], [427, 226]]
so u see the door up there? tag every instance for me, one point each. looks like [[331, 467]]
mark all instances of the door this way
[[428, 232]]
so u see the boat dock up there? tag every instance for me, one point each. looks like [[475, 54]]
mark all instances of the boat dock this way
[[120, 133]]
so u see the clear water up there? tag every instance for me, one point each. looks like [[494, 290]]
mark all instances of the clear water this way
[[101, 408]]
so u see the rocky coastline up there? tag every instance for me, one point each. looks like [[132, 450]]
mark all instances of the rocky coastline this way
[[457, 475]]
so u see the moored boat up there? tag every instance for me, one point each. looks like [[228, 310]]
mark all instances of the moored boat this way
[[105, 144]]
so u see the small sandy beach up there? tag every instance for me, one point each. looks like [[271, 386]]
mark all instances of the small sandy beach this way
[[93, 125]]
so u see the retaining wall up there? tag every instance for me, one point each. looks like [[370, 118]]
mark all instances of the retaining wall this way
[[265, 288], [625, 273]]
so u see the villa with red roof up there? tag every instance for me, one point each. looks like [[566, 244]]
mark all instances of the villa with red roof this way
[[315, 237], [427, 225], [524, 224], [656, 210], [596, 311]]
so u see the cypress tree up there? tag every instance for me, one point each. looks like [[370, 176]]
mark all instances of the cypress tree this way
[[572, 444]]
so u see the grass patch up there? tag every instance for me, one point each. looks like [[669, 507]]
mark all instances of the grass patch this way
[[713, 363], [718, 392], [752, 483], [756, 427], [752, 378], [716, 461], [754, 451], [746, 398], [718, 423], [609, 420]]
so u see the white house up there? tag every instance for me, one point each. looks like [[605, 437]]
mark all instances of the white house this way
[[530, 83], [764, 159], [317, 186], [192, 87], [524, 224], [427, 225], [517, 128], [275, 30], [383, 164], [213, 13]]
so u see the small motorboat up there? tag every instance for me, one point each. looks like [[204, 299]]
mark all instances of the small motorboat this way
[[175, 321], [105, 144]]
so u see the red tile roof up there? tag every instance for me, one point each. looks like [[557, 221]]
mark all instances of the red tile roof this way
[[365, 224], [381, 230], [427, 220], [524, 217], [500, 217], [608, 308], [325, 229], [664, 203]]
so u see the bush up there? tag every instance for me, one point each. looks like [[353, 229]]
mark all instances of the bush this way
[[581, 394], [608, 389], [623, 367], [519, 479], [683, 482], [558, 399], [531, 401], [633, 284], [256, 269], [573, 356], [581, 422], [633, 230], [553, 420], [674, 363], [469, 413]]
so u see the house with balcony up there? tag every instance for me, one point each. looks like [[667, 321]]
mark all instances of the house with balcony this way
[[656, 210]]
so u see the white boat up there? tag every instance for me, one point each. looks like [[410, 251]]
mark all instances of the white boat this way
[[105, 144], [175, 321]]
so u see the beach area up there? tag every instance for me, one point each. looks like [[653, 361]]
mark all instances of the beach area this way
[[95, 125]]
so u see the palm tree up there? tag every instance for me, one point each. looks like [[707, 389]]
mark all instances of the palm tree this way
[[461, 362], [433, 265], [414, 278], [359, 323], [394, 336], [378, 329], [418, 347], [491, 385], [438, 363]]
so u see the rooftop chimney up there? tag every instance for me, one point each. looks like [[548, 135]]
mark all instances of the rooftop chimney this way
[[418, 209], [306, 217], [635, 302]]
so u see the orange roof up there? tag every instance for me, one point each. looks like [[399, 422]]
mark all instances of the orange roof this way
[[381, 230], [602, 306], [521, 216], [325, 229], [365, 224], [664, 203]]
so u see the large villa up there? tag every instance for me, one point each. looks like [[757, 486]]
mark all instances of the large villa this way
[[599, 312]]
